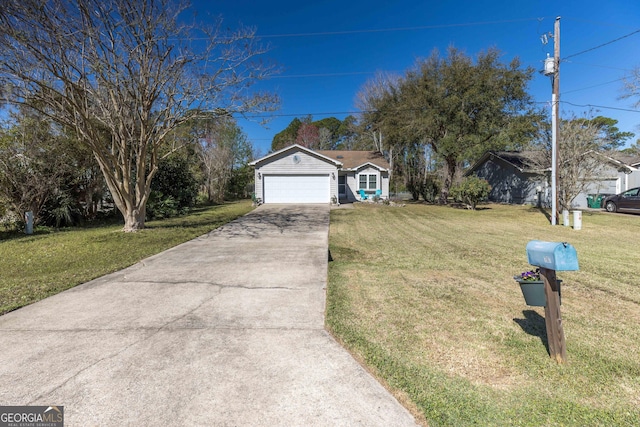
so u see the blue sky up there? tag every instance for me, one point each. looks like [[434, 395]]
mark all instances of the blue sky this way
[[328, 49]]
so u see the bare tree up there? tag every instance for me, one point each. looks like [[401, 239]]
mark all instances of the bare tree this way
[[631, 86], [221, 147], [324, 139], [371, 99], [308, 136], [124, 74], [579, 142]]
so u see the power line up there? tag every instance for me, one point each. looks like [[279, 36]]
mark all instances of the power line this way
[[385, 30], [353, 73], [602, 24], [332, 113], [599, 66], [591, 87], [600, 106], [378, 30], [602, 45], [339, 113]]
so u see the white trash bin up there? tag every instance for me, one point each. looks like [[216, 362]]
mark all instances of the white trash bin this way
[[577, 220], [565, 218]]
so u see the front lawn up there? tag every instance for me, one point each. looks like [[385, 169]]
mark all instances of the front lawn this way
[[424, 296], [45, 263]]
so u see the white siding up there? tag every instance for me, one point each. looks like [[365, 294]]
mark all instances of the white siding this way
[[382, 181], [605, 180], [634, 179], [295, 163], [385, 184], [352, 185]]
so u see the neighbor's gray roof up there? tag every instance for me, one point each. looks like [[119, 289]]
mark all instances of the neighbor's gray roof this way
[[522, 160], [628, 160], [353, 159]]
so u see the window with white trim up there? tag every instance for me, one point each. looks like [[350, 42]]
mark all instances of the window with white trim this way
[[373, 182], [363, 182], [368, 181]]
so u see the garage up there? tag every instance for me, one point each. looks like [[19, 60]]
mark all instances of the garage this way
[[296, 188], [296, 174]]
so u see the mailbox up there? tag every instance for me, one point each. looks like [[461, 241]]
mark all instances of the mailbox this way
[[559, 256]]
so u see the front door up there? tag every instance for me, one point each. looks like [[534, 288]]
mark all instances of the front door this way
[[342, 186]]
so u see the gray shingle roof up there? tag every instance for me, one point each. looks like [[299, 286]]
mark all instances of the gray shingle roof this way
[[353, 159]]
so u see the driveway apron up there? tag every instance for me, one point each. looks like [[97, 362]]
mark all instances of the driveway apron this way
[[224, 330]]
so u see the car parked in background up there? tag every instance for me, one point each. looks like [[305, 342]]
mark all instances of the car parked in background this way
[[628, 201]]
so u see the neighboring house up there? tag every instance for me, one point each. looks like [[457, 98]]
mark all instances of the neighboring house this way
[[511, 178], [513, 181], [613, 177], [297, 174]]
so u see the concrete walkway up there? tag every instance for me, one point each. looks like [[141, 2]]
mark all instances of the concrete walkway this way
[[225, 330]]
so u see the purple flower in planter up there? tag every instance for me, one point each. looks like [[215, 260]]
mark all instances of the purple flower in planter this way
[[531, 275]]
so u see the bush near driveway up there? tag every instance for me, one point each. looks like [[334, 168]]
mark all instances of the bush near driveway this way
[[424, 295]]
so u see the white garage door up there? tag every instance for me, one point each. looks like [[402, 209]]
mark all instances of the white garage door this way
[[296, 188]]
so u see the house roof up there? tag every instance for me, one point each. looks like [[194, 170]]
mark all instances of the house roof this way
[[299, 148], [621, 162], [628, 160], [355, 159], [521, 160], [524, 160]]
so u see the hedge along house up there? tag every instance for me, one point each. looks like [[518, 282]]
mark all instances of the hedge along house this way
[[514, 181], [297, 174]]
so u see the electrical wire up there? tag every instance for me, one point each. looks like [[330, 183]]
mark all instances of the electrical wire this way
[[340, 113], [599, 106], [385, 30], [599, 66], [591, 87], [601, 45], [353, 73]]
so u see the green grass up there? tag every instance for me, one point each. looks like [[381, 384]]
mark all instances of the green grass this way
[[45, 263], [424, 296]]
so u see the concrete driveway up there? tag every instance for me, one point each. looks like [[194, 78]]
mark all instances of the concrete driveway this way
[[225, 330]]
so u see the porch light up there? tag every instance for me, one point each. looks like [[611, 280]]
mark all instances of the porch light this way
[[333, 175], [259, 175]]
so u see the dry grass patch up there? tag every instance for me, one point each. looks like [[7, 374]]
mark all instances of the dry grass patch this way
[[425, 296]]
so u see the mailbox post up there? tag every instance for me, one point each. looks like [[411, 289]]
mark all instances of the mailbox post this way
[[552, 257]]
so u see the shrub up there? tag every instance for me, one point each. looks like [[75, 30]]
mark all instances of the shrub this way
[[174, 189], [61, 210], [471, 191], [161, 206], [430, 188]]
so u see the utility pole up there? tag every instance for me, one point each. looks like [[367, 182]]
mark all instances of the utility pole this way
[[555, 122]]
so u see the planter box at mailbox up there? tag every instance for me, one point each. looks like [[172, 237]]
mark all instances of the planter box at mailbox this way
[[533, 292]]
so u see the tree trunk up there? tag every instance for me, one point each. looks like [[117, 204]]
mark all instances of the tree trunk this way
[[131, 203], [448, 180], [134, 220]]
